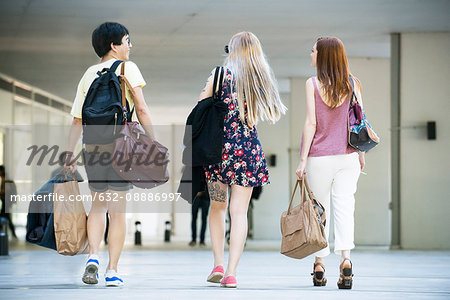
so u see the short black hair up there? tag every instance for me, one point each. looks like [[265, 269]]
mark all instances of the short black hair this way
[[105, 34]]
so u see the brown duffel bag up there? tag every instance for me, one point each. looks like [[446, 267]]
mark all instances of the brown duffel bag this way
[[303, 227], [137, 157]]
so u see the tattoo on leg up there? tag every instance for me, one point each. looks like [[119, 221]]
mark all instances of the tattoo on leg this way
[[216, 193]]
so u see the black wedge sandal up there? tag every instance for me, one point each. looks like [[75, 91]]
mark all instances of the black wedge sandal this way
[[346, 277], [319, 277]]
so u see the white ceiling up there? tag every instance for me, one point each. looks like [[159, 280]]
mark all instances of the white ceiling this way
[[176, 43]]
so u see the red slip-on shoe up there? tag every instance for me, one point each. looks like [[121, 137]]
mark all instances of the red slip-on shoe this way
[[216, 275], [229, 282]]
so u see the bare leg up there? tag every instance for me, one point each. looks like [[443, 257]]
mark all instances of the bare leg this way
[[318, 267], [345, 254], [240, 198], [117, 228], [96, 223], [218, 193], [345, 269]]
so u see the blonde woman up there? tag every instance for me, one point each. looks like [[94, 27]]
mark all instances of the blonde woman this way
[[332, 166], [251, 93]]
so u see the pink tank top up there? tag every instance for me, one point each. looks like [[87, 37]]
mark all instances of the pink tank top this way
[[331, 137]]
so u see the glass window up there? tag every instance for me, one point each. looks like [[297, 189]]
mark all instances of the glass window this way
[[40, 116], [22, 113], [56, 118], [6, 111]]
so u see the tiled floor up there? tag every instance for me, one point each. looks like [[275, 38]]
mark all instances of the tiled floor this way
[[171, 273]]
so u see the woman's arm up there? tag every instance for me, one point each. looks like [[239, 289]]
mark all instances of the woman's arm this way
[[207, 90], [362, 160], [358, 88], [309, 129]]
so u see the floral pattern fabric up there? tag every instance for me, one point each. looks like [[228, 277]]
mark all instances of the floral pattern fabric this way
[[243, 159]]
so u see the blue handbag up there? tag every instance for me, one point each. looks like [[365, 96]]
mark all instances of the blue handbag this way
[[360, 134]]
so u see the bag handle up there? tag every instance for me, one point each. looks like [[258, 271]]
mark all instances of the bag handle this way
[[311, 198], [353, 94], [124, 81], [310, 194], [217, 85], [292, 197], [215, 79], [304, 185], [65, 176]]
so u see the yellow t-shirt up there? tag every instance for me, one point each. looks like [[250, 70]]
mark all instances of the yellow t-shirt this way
[[132, 73]]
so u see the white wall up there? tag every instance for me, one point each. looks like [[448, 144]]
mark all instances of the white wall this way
[[272, 202], [425, 180], [297, 113], [372, 214]]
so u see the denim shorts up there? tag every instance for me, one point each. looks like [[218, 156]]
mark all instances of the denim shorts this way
[[100, 173]]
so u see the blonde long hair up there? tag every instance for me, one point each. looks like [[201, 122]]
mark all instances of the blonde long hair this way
[[254, 79]]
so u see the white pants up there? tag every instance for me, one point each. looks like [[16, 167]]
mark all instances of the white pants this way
[[335, 178]]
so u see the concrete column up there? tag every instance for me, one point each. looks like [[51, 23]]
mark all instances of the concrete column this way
[[424, 164], [395, 139]]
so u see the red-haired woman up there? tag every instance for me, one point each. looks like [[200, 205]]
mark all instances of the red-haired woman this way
[[330, 164]]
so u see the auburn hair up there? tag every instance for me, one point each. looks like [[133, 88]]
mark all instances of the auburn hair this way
[[332, 70]]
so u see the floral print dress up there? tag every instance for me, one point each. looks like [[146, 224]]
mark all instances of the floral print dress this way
[[243, 160]]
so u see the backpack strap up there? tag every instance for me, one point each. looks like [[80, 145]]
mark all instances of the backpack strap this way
[[124, 82], [122, 87], [218, 82], [115, 65], [216, 73]]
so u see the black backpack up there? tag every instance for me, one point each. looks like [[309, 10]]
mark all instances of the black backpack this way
[[102, 107]]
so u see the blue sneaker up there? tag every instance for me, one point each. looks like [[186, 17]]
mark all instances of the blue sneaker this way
[[90, 275], [112, 278]]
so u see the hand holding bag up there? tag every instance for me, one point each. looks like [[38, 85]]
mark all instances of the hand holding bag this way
[[69, 217], [303, 227], [138, 158], [360, 134]]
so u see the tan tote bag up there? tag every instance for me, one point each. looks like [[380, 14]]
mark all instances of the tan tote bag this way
[[303, 227], [69, 218]]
